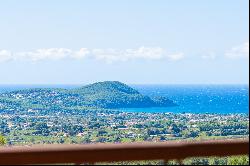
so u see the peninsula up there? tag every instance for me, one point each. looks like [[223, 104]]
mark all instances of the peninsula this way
[[101, 95]]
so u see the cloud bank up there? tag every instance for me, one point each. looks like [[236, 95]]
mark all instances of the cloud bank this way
[[107, 55], [113, 55], [5, 55], [209, 56], [143, 53], [241, 51]]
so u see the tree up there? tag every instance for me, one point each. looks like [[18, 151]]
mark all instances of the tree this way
[[2, 141], [238, 160]]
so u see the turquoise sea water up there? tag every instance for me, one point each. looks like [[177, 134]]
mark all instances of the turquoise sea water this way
[[200, 98], [190, 98]]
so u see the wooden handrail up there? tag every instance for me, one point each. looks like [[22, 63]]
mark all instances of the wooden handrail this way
[[120, 152]]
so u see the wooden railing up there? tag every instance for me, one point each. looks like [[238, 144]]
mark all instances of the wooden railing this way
[[50, 154]]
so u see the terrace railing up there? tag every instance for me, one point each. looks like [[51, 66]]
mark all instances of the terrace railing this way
[[78, 154]]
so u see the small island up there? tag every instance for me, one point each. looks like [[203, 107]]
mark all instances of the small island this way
[[101, 95]]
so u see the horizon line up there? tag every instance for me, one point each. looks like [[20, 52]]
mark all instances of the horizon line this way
[[77, 84]]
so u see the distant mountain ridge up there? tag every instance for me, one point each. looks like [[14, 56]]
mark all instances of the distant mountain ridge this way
[[106, 95]]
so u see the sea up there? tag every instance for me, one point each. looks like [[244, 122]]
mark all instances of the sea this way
[[219, 99]]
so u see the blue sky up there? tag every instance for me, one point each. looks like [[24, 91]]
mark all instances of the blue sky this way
[[133, 41]]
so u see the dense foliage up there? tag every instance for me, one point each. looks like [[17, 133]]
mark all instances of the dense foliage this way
[[2, 140]]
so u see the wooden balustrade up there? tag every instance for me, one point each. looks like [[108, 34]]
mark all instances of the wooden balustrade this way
[[50, 154]]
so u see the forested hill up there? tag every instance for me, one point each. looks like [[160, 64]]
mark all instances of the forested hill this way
[[106, 87], [108, 95], [118, 95]]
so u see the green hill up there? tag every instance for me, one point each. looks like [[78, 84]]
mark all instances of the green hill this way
[[107, 95], [118, 95]]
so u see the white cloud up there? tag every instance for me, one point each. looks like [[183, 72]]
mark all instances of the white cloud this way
[[175, 57], [142, 53], [154, 53], [107, 55], [44, 54], [80, 54], [241, 51], [210, 56], [5, 55]]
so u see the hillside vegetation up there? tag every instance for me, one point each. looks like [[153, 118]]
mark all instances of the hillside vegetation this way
[[104, 95]]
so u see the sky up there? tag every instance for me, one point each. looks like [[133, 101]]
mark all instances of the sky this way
[[132, 41]]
